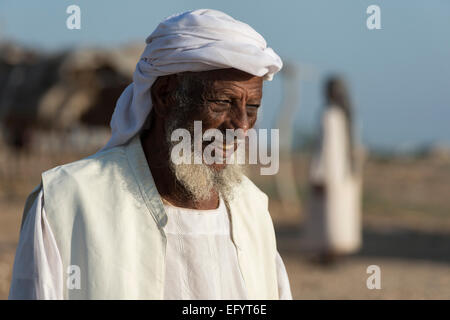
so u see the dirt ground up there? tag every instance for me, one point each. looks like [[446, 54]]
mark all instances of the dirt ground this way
[[406, 233], [413, 265]]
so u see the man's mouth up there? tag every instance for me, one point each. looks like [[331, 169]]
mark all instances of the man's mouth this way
[[225, 149]]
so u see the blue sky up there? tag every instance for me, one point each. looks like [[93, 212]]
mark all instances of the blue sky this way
[[399, 75]]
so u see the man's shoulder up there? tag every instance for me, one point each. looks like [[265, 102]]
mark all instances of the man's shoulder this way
[[90, 165]]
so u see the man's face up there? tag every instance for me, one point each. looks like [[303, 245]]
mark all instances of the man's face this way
[[220, 99], [224, 99]]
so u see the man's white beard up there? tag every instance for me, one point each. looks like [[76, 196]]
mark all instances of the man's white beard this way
[[200, 180]]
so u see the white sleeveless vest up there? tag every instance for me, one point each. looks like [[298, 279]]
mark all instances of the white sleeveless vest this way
[[107, 218]]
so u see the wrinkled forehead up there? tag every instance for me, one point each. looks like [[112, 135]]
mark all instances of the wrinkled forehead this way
[[229, 74], [227, 78]]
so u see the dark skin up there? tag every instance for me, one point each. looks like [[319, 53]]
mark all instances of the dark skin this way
[[229, 99]]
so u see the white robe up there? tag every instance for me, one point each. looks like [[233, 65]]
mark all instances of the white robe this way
[[333, 223], [201, 260]]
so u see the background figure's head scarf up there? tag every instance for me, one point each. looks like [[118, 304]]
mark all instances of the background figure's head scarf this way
[[198, 40]]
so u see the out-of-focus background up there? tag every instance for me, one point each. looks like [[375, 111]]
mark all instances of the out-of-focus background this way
[[58, 89]]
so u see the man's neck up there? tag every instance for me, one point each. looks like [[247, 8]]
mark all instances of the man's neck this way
[[166, 183]]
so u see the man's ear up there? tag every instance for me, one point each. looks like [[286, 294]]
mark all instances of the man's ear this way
[[161, 93]]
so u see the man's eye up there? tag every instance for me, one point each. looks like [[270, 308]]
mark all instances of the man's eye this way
[[218, 101], [253, 105]]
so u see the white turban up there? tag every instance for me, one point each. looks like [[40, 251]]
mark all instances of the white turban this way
[[198, 40]]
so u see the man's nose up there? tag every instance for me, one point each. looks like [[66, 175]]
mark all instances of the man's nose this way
[[240, 118]]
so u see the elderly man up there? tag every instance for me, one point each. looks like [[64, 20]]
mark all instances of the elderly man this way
[[130, 223]]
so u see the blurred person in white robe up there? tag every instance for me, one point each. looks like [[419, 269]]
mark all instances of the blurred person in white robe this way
[[332, 225]]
